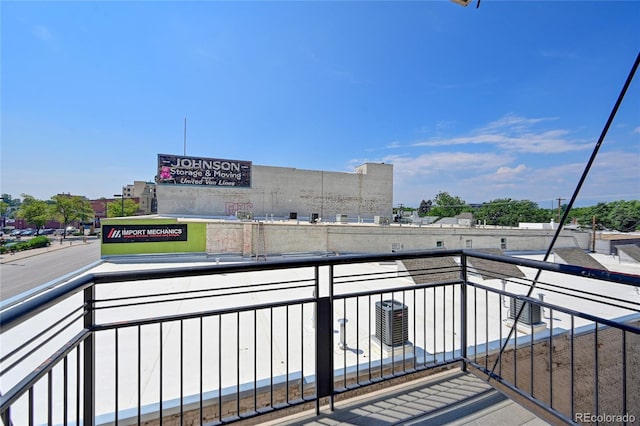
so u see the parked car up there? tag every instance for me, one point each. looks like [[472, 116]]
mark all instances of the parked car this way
[[27, 232], [15, 232], [11, 246]]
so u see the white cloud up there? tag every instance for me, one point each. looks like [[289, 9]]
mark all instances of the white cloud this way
[[618, 169], [506, 167], [446, 162], [636, 130], [42, 32], [445, 125], [514, 122], [517, 134], [489, 177], [509, 172]]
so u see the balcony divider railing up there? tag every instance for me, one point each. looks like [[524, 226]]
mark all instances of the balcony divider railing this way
[[225, 342]]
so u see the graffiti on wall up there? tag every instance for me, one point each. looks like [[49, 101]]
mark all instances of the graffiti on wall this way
[[231, 208]]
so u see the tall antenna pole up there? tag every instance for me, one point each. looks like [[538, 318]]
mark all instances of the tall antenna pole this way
[[560, 200], [185, 136]]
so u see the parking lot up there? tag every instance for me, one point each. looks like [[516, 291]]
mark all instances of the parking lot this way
[[30, 232]]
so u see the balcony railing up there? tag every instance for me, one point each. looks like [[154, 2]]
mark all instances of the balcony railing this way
[[220, 343]]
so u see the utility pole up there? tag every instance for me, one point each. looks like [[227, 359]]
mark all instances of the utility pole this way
[[593, 235], [560, 200], [399, 214]]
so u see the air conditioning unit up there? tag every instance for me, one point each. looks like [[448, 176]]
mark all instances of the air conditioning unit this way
[[392, 322], [531, 314], [244, 215], [342, 218]]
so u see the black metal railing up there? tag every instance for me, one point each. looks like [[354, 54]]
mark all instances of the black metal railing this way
[[219, 343]]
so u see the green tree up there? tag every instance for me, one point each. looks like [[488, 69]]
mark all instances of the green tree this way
[[620, 215], [446, 205], [68, 208], [85, 211], [624, 215], [115, 208], [425, 207], [12, 202], [508, 212], [3, 207], [34, 212]]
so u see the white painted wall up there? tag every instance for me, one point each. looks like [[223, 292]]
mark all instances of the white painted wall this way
[[367, 192]]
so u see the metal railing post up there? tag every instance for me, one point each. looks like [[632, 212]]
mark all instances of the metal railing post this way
[[88, 362], [463, 310], [6, 416], [324, 347], [329, 339]]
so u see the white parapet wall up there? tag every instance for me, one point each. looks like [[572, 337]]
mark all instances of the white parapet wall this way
[[293, 236]]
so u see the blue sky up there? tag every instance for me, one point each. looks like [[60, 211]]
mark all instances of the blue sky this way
[[502, 101]]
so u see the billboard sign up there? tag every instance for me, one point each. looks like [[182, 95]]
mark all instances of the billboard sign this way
[[183, 170], [143, 233]]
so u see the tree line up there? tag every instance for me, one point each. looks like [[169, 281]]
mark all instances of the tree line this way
[[620, 215], [623, 215], [62, 208]]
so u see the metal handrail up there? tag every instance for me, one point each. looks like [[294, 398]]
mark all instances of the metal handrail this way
[[19, 313]]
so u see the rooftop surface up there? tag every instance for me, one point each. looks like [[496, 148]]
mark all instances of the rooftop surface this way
[[456, 398]]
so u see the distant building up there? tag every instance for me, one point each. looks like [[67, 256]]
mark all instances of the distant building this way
[[144, 194], [538, 225], [608, 242], [99, 207], [463, 219], [193, 186]]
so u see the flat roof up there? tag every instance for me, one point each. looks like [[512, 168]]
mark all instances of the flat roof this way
[[300, 321]]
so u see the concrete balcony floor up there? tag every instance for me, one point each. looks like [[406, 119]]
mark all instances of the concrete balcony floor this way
[[453, 397]]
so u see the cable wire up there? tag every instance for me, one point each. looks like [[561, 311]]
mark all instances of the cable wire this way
[[570, 205]]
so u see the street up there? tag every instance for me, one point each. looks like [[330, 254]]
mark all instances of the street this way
[[25, 273]]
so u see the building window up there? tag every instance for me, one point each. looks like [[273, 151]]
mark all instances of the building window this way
[[503, 243], [467, 243], [439, 244]]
